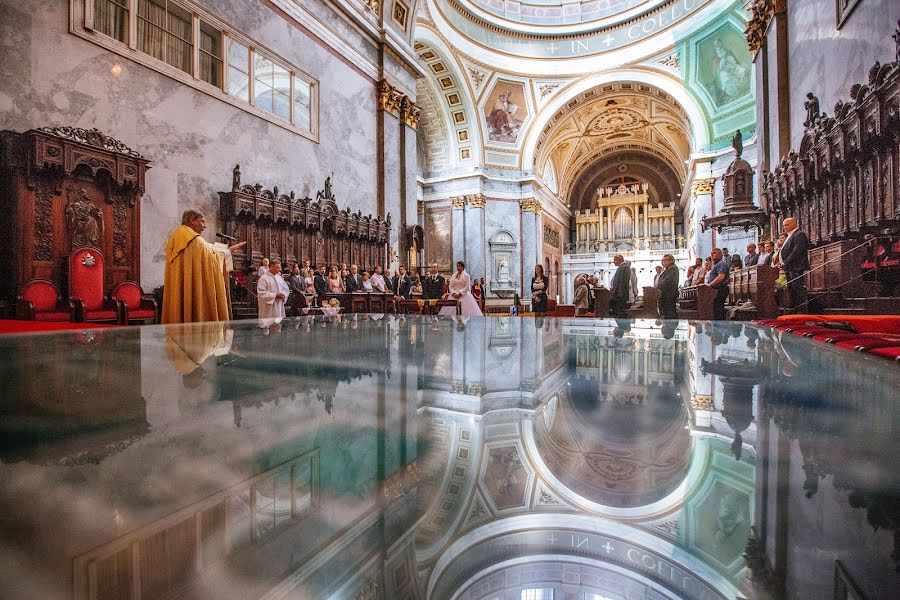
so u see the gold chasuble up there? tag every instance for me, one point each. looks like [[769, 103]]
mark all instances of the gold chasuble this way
[[195, 280]]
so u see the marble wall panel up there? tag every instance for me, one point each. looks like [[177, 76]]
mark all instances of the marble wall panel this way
[[504, 215], [392, 179], [192, 139], [438, 240], [828, 61]]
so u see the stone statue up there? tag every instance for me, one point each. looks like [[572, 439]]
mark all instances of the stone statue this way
[[328, 194], [83, 219], [737, 142], [896, 37], [812, 110], [236, 178], [503, 271]]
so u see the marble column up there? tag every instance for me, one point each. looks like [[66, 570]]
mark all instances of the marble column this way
[[396, 154], [702, 191], [458, 227], [531, 243], [409, 122], [476, 263]]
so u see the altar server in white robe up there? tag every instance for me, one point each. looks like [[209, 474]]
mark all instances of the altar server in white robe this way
[[271, 292]]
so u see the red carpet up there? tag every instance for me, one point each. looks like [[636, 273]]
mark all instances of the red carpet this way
[[878, 335], [12, 326]]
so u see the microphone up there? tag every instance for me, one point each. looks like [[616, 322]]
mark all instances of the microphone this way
[[227, 238]]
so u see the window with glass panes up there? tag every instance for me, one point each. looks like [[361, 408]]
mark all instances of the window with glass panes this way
[[110, 17], [165, 30]]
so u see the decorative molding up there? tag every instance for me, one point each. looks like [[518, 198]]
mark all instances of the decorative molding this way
[[409, 112], [702, 402], [545, 89], [761, 14], [530, 205], [373, 5], [389, 98], [91, 137], [420, 207], [404, 64], [476, 200], [43, 220], [703, 186], [457, 202], [551, 236]]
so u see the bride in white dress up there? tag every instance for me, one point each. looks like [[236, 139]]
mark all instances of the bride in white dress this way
[[460, 287]]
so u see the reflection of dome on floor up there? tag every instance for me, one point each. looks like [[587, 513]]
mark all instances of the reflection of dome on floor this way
[[619, 445]]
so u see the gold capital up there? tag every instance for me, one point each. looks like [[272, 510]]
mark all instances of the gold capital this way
[[703, 186], [529, 205], [458, 202], [420, 207], [476, 200]]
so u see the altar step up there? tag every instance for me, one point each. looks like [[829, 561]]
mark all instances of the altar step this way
[[244, 310]]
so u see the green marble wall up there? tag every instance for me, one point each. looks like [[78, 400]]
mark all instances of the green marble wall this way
[[718, 71]]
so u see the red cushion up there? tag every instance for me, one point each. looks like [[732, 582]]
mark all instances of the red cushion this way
[[862, 323], [52, 316], [834, 335], [891, 352], [42, 294], [91, 315], [868, 341], [142, 313], [86, 277], [129, 293]]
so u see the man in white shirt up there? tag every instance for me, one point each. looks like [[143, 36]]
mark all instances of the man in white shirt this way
[[271, 292], [699, 273]]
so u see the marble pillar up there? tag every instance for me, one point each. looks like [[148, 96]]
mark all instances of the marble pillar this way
[[531, 246], [458, 206], [702, 191], [476, 261]]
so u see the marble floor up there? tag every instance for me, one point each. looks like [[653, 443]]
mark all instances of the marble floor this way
[[502, 458]]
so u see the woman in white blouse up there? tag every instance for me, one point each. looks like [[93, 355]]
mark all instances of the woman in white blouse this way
[[460, 287]]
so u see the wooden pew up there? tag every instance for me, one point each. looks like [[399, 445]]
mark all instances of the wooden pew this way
[[696, 302], [602, 297], [754, 284]]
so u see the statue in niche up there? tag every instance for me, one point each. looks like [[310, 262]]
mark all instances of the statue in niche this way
[[812, 110], [83, 220], [503, 271], [236, 178], [731, 514]]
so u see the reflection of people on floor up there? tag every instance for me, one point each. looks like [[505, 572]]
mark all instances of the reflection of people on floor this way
[[189, 347]]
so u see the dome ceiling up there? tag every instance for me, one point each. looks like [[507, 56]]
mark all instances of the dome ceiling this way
[[514, 14], [616, 118]]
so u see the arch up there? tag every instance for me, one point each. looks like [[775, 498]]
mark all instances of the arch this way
[[427, 40], [668, 84]]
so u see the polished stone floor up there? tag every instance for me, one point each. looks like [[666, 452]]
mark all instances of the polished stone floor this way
[[481, 459]]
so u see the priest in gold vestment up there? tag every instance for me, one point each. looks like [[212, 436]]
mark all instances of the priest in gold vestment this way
[[195, 279]]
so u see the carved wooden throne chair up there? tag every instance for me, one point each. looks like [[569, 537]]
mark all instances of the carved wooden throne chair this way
[[39, 301], [90, 305], [137, 308]]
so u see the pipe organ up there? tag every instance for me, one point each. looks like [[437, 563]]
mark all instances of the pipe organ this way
[[625, 220]]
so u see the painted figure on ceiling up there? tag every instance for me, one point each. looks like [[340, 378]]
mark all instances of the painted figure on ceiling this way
[[732, 78]]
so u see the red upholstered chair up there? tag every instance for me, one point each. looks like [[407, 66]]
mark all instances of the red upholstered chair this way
[[39, 301], [137, 308], [86, 289]]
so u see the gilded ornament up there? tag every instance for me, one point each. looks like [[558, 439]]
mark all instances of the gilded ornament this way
[[703, 186], [457, 202], [476, 200]]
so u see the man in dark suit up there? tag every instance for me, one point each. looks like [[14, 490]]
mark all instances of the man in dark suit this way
[[353, 283], [621, 288], [751, 259], [296, 300], [433, 287], [401, 284], [717, 278], [795, 262], [320, 282], [667, 283]]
